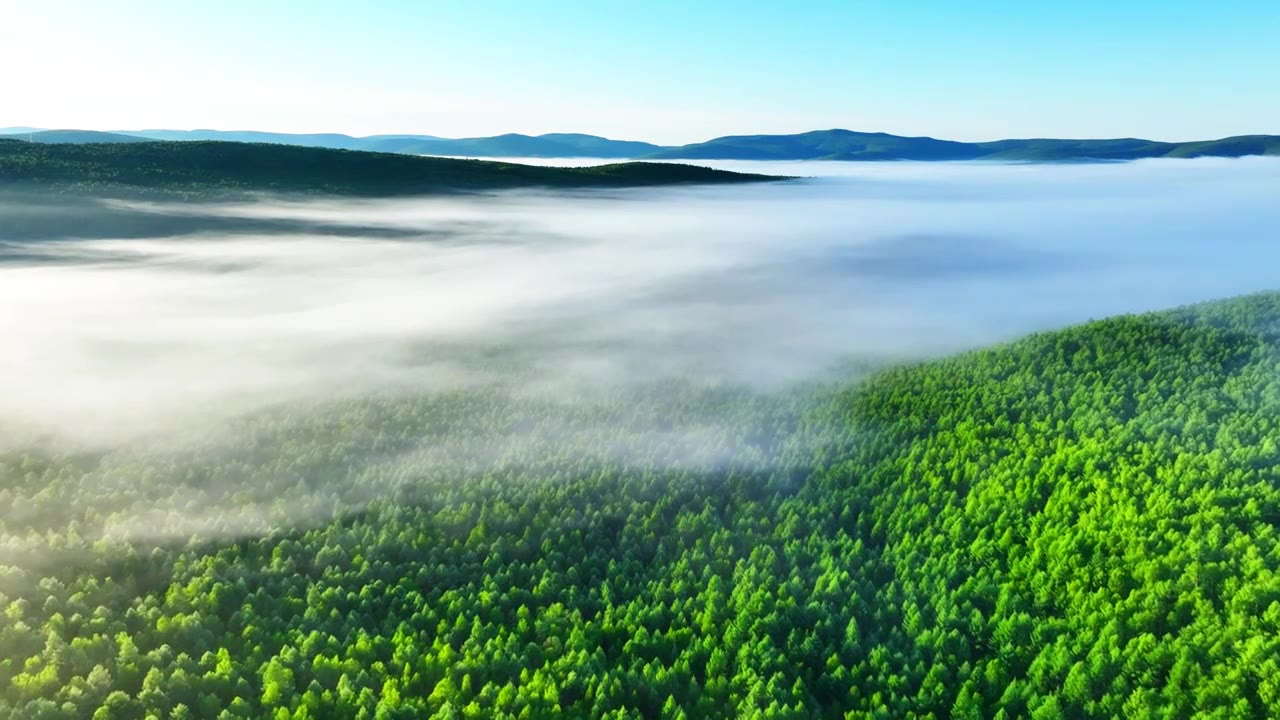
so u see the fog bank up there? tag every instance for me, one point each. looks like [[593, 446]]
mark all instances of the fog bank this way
[[131, 320]]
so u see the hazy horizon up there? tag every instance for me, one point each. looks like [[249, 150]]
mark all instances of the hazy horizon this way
[[19, 129], [670, 74]]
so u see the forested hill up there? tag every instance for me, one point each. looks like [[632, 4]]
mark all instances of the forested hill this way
[[75, 137], [835, 144], [850, 145], [218, 167], [551, 145], [1083, 523]]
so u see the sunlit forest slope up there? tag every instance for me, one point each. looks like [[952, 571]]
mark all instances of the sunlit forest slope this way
[[1082, 523]]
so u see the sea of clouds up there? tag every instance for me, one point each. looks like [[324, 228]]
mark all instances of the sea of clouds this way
[[124, 319]]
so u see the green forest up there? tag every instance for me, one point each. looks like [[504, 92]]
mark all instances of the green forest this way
[[862, 146], [212, 168], [1079, 524]]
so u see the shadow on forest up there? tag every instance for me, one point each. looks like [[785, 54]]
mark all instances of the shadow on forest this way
[[27, 217]]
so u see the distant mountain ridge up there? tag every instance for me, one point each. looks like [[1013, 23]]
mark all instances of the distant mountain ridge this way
[[835, 144], [509, 145], [849, 145], [73, 137]]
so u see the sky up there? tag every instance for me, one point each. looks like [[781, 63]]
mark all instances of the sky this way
[[667, 72]]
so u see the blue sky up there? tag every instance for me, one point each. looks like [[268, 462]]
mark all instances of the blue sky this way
[[662, 71]]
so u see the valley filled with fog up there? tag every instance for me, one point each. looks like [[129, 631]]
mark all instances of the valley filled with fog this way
[[780, 449], [125, 319]]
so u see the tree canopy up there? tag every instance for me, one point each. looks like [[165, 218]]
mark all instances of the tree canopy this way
[[1082, 523], [214, 167]]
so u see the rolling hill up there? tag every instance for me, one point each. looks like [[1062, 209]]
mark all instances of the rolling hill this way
[[509, 145], [821, 145], [848, 145], [211, 167], [836, 144], [336, 141], [1239, 146], [555, 145], [57, 137], [1079, 524]]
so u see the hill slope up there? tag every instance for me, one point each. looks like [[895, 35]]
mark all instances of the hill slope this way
[[1229, 147], [72, 136], [335, 141], [204, 167], [510, 145], [1079, 524], [834, 144], [514, 145], [849, 145], [823, 145]]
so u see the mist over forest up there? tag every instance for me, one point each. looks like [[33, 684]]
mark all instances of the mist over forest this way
[[892, 440], [133, 317]]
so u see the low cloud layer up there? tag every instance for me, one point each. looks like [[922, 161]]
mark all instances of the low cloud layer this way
[[135, 320]]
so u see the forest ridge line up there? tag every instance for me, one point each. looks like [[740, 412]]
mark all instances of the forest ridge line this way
[[834, 144]]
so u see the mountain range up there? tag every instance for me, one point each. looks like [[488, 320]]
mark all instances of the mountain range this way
[[833, 144]]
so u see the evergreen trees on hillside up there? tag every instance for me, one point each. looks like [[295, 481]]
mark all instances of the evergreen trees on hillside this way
[[209, 168], [1079, 524]]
